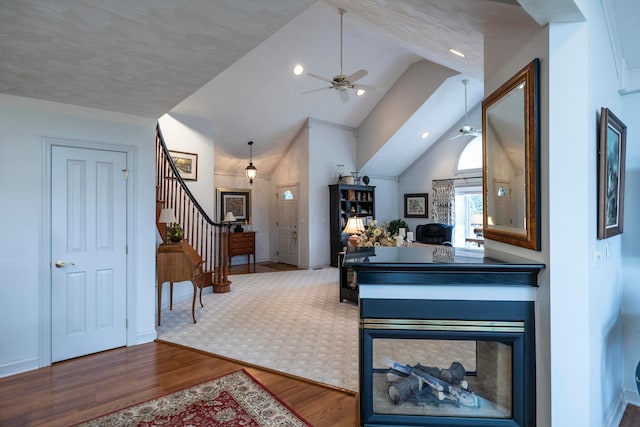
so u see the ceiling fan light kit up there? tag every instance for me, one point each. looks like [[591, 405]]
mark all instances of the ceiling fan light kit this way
[[466, 129], [341, 82]]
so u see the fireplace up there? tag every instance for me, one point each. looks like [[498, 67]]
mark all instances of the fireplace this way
[[447, 363]]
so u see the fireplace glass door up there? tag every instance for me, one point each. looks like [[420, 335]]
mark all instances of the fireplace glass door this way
[[427, 376], [447, 363]]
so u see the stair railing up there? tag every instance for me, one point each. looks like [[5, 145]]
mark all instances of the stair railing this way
[[203, 234]]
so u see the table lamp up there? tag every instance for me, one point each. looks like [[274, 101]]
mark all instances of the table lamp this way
[[167, 217], [354, 226]]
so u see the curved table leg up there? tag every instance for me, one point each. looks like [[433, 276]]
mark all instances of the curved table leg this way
[[193, 304]]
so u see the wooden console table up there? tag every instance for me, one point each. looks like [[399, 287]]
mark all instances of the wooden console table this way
[[243, 243], [179, 262]]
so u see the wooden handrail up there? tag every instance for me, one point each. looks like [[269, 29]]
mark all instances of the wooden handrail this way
[[207, 237]]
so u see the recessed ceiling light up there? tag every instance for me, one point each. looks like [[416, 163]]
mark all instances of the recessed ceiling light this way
[[424, 135], [298, 69], [360, 92], [457, 52]]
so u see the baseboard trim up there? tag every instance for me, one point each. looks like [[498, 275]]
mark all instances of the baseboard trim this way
[[19, 366], [617, 412], [631, 396], [146, 336]]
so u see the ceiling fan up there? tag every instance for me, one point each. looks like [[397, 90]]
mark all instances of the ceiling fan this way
[[467, 129], [341, 82]]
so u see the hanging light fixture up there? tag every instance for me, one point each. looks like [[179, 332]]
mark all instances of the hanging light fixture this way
[[251, 170]]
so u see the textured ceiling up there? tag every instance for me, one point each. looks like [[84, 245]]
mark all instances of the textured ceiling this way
[[139, 57], [229, 61]]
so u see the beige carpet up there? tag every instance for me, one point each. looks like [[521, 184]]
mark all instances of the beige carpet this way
[[290, 321]]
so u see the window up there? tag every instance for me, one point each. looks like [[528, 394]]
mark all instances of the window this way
[[468, 198], [471, 156], [287, 195], [468, 211]]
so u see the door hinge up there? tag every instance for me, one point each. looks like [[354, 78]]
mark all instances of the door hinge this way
[[126, 249], [126, 323], [126, 173]]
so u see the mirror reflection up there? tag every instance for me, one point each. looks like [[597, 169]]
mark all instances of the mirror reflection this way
[[506, 198], [510, 161]]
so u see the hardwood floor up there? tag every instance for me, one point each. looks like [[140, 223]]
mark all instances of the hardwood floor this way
[[84, 388]]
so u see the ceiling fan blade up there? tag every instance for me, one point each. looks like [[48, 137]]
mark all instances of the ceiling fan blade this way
[[324, 79], [462, 135], [356, 76], [344, 96], [317, 90]]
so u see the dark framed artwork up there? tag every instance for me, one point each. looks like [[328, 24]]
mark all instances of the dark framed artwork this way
[[611, 164], [186, 163], [236, 201], [415, 205]]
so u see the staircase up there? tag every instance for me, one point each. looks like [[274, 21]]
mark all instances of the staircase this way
[[208, 238]]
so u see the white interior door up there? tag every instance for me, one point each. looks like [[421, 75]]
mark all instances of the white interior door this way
[[88, 249], [288, 224]]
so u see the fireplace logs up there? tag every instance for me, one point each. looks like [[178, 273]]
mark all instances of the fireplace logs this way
[[430, 385]]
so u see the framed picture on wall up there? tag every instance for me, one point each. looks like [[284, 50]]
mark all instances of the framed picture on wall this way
[[234, 200], [415, 205], [186, 163], [611, 164]]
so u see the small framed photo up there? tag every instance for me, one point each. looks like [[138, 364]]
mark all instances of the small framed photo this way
[[611, 164], [415, 205], [187, 164], [234, 200]]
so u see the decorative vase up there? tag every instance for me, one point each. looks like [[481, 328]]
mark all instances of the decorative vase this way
[[175, 233]]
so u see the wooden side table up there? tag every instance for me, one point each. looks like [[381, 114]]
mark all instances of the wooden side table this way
[[178, 262], [243, 243]]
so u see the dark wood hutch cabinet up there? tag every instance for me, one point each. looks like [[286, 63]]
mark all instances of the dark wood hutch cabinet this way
[[345, 201]]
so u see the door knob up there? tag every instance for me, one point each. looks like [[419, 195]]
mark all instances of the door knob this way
[[60, 264]]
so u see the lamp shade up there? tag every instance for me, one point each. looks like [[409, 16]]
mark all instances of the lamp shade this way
[[167, 216], [354, 226], [229, 217]]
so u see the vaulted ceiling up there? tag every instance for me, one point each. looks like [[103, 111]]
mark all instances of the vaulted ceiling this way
[[230, 61]]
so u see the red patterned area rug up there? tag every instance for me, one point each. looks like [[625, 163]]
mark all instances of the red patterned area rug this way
[[236, 399]]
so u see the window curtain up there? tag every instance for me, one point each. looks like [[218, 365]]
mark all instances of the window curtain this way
[[444, 197]]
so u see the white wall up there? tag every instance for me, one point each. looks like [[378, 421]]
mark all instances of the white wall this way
[[260, 213], [193, 135], [438, 162], [25, 122], [579, 299], [293, 168], [631, 248], [386, 195], [329, 145]]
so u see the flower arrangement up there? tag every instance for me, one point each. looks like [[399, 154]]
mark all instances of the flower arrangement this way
[[376, 236]]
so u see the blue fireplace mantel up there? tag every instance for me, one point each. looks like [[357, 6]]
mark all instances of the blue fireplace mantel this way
[[437, 265]]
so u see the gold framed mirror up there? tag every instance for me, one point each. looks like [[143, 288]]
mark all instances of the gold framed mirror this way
[[510, 160]]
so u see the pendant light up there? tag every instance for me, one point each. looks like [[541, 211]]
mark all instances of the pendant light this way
[[251, 170]]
